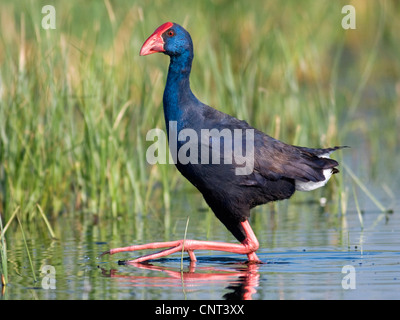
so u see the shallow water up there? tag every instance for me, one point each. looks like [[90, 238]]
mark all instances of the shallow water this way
[[304, 250]]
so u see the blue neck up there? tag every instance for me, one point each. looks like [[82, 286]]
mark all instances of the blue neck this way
[[177, 94]]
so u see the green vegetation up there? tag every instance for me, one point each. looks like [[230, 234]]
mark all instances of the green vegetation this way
[[76, 102]]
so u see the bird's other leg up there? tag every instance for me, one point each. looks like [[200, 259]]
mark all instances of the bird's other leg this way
[[248, 246]]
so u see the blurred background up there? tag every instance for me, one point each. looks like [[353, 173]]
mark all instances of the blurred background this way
[[77, 101]]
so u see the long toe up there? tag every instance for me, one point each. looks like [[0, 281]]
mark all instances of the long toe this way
[[104, 253]]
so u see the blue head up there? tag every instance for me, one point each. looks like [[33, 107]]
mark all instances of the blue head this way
[[171, 39]]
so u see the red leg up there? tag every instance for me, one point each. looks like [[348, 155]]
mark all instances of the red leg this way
[[249, 246]]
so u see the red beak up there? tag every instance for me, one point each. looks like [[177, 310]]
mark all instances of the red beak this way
[[155, 42]]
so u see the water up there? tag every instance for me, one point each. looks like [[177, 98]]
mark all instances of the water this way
[[303, 247]]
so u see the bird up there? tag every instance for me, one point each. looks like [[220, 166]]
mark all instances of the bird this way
[[275, 171]]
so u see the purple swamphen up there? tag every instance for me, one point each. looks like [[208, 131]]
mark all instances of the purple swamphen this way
[[277, 170]]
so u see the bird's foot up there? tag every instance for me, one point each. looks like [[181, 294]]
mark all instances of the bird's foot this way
[[185, 245], [172, 247], [248, 247], [253, 259]]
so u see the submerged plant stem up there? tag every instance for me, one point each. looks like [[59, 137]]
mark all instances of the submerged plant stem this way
[[27, 249], [183, 246], [3, 257]]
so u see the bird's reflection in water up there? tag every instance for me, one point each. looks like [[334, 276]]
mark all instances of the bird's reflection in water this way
[[242, 280]]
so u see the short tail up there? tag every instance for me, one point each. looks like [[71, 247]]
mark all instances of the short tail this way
[[322, 162]]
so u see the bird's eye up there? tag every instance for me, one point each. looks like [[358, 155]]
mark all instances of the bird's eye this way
[[170, 33]]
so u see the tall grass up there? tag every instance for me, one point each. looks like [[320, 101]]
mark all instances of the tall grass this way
[[76, 102]]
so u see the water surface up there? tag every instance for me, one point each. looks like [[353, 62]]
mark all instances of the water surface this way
[[304, 250]]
